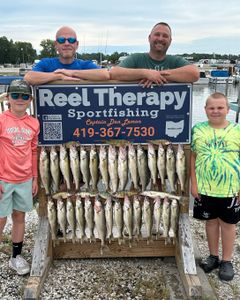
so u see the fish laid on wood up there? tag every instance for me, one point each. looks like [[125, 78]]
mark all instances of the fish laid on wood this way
[[64, 166], [54, 169], [99, 218], [103, 166], [181, 167], [118, 220], [157, 215], [93, 167], [71, 218], [109, 218], [128, 218], [171, 167], [147, 217], [142, 167], [132, 163], [79, 213], [137, 217], [174, 218], [122, 167], [166, 217], [88, 213], [52, 218], [161, 165], [152, 164], [154, 194], [75, 166], [61, 217], [84, 166], [113, 167], [44, 169]]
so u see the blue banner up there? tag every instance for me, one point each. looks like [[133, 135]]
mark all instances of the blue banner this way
[[91, 114]]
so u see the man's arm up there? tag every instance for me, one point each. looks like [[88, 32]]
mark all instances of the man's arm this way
[[189, 73], [35, 77]]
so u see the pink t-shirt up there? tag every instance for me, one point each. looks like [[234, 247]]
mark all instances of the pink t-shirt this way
[[18, 147]]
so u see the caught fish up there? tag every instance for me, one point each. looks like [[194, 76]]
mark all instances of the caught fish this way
[[122, 167], [152, 163], [113, 167], [171, 167], [118, 219], [93, 166], [166, 217], [122, 194], [127, 218], [54, 169], [142, 167], [79, 213], [99, 218], [75, 166], [181, 166], [84, 166], [89, 217], [174, 218], [71, 218], [157, 215], [64, 165], [137, 217], [161, 164], [109, 218], [147, 217], [63, 195], [52, 218], [132, 162], [154, 194], [61, 217], [103, 166], [44, 170]]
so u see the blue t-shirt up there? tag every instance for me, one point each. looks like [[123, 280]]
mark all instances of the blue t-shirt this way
[[52, 64]]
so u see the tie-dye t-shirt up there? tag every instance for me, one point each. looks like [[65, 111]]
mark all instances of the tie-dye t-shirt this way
[[217, 160]]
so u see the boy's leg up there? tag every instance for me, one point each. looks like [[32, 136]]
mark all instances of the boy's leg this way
[[18, 227], [2, 225], [228, 235], [212, 231]]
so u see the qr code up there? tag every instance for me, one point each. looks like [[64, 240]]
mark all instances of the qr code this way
[[52, 131]]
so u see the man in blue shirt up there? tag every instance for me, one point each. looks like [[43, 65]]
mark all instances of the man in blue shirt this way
[[66, 66]]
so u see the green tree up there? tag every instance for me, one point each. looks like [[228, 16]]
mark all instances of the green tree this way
[[24, 53], [48, 49], [5, 48]]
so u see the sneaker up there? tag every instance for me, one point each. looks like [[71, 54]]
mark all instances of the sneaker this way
[[226, 271], [211, 263], [19, 264]]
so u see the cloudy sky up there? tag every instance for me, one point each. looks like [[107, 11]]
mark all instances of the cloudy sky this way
[[107, 26]]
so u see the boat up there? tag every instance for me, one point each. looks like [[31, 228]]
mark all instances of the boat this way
[[203, 78], [220, 76]]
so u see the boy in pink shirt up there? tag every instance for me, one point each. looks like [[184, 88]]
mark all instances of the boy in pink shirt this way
[[18, 167]]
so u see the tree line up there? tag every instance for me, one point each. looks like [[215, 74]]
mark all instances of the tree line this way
[[22, 52]]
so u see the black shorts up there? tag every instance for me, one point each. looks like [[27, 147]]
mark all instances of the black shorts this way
[[208, 208]]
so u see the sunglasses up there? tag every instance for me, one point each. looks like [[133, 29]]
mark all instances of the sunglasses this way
[[16, 96], [62, 40]]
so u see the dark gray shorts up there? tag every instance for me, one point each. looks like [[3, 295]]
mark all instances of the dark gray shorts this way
[[209, 208]]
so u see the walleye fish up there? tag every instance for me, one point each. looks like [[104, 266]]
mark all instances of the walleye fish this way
[[152, 164], [109, 218], [61, 217], [132, 162], [113, 167], [171, 167], [89, 217], [118, 220], [147, 217], [75, 166], [63, 195], [161, 164], [157, 215], [122, 194], [64, 165], [52, 218], [137, 217], [174, 218], [79, 214], [154, 194], [93, 166], [44, 170], [103, 166], [122, 167], [142, 167], [166, 218], [127, 218], [84, 166], [54, 169], [99, 218], [71, 218], [181, 166]]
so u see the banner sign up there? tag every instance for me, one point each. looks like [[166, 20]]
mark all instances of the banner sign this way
[[91, 114]]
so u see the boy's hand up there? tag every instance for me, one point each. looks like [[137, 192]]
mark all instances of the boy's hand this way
[[34, 186], [1, 191]]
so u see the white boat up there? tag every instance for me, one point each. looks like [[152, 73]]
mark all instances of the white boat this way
[[220, 76], [203, 79]]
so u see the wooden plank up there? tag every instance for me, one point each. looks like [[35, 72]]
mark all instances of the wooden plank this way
[[139, 249]]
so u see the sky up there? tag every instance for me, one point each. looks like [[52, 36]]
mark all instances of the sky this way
[[107, 26]]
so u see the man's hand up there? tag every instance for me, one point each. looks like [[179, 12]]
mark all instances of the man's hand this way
[[66, 75], [154, 77]]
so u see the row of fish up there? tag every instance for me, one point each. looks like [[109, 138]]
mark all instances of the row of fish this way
[[112, 218], [115, 166]]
